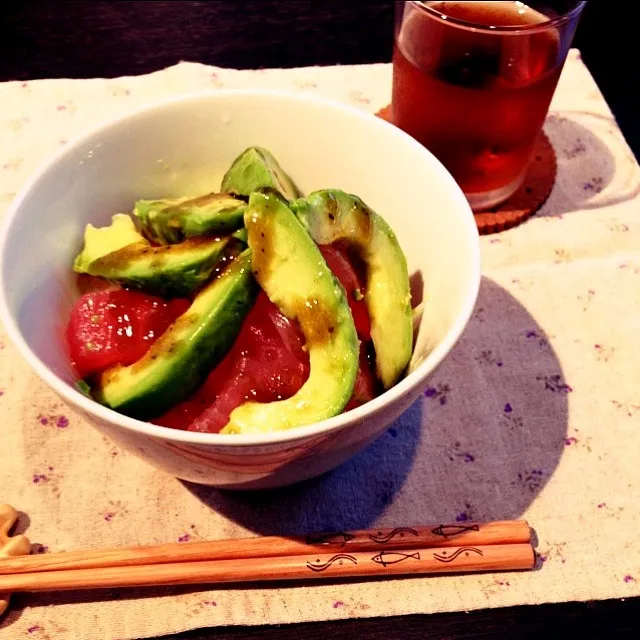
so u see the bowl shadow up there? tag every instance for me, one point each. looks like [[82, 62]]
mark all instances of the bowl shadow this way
[[349, 497], [589, 151], [480, 444]]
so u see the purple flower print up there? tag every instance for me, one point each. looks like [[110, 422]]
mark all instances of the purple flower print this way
[[456, 452], [586, 300], [578, 148], [438, 393], [466, 515], [628, 409], [60, 421], [555, 383], [478, 315], [619, 227], [593, 186], [533, 335], [530, 480], [486, 356], [603, 354], [510, 418]]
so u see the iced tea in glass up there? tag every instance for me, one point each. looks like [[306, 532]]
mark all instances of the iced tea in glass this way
[[473, 81]]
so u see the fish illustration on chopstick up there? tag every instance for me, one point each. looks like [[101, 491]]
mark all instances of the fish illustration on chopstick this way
[[382, 538], [339, 558], [444, 556], [385, 558], [452, 530]]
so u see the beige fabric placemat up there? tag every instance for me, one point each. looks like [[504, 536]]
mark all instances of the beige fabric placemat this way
[[535, 414]]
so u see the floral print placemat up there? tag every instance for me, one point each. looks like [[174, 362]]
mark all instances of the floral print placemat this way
[[536, 414]]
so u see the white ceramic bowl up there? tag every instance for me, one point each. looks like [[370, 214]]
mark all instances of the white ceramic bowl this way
[[182, 146]]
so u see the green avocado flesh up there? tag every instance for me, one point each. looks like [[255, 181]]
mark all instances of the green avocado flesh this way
[[219, 250], [332, 215], [98, 242], [118, 253], [181, 359], [241, 235], [291, 270], [254, 169], [172, 220]]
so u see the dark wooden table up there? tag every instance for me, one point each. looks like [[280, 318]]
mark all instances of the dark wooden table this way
[[80, 39]]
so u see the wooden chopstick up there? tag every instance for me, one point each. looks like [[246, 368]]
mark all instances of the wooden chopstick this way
[[378, 563], [442, 535]]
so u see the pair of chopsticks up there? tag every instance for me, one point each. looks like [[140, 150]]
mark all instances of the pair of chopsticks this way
[[453, 548]]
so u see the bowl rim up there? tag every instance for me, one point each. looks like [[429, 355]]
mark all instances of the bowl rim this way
[[401, 389]]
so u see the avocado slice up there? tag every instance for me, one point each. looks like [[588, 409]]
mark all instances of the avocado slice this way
[[172, 220], [331, 215], [290, 268], [100, 241], [241, 235], [181, 359], [256, 168], [120, 254]]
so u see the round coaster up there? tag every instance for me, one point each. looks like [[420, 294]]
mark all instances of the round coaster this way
[[533, 193], [385, 113]]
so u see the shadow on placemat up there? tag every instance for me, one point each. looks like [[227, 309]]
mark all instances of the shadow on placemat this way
[[350, 497], [586, 163], [481, 445]]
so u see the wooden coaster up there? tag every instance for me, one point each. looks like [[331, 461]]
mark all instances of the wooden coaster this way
[[385, 113], [533, 193]]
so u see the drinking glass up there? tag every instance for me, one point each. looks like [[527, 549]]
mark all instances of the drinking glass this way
[[472, 81]]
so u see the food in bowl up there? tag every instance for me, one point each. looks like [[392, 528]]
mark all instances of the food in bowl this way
[[248, 310], [182, 146]]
